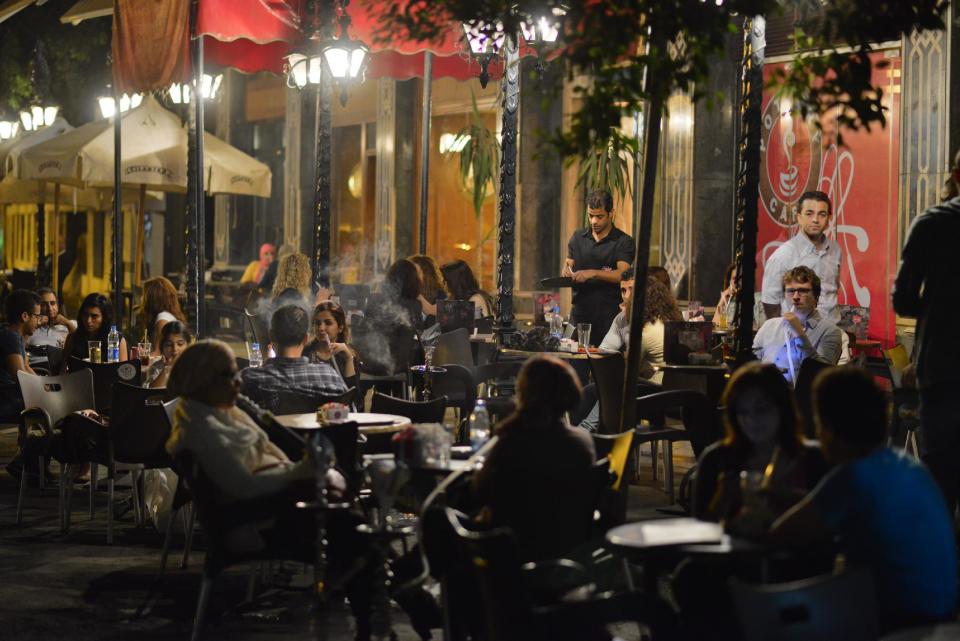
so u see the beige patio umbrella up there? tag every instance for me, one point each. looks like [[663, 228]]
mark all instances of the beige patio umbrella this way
[[154, 157]]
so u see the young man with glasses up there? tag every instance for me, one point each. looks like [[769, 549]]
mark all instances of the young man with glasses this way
[[22, 310], [811, 248], [54, 326], [803, 332]]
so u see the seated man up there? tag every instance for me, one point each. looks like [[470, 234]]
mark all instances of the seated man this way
[[290, 370], [884, 506], [54, 326], [22, 309], [802, 332]]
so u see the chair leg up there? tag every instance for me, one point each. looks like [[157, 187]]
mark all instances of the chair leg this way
[[22, 494], [188, 542], [135, 497], [653, 458], [42, 467], [202, 602], [167, 537], [61, 498], [109, 510], [252, 581], [668, 470], [68, 499], [93, 486]]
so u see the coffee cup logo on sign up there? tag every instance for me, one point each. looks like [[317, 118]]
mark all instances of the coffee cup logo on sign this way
[[792, 159]]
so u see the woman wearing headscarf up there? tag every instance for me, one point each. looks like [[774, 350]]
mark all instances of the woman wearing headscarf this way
[[257, 268]]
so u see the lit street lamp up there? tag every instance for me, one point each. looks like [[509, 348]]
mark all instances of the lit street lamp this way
[[8, 129], [36, 117], [108, 107], [209, 85], [485, 41]]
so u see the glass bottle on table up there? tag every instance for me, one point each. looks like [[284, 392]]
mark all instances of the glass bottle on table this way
[[113, 345], [479, 425]]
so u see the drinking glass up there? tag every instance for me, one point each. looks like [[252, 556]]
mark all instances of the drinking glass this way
[[145, 349], [583, 335], [556, 325], [94, 349]]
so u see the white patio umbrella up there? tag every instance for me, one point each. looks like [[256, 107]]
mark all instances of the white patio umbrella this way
[[154, 156]]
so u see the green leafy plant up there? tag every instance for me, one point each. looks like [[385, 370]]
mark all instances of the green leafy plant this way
[[607, 166], [479, 158]]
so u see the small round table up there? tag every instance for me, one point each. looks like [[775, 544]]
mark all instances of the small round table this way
[[368, 422]]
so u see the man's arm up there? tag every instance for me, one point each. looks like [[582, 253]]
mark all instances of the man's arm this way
[[909, 281], [605, 275], [14, 363], [802, 522], [567, 269], [830, 346], [772, 288], [66, 322]]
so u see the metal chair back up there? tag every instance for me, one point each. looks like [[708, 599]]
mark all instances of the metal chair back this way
[[139, 427], [105, 376], [57, 395], [453, 348]]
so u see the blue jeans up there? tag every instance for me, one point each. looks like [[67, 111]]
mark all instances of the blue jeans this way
[[939, 439]]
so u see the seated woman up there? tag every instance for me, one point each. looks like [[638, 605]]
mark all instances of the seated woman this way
[[723, 316], [763, 438], [256, 270], [330, 342], [533, 475], [241, 462], [174, 338], [463, 285], [93, 324], [432, 287], [160, 306], [293, 283], [399, 298]]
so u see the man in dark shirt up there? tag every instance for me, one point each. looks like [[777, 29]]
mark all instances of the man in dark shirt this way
[[928, 289], [596, 256], [22, 309], [290, 370]]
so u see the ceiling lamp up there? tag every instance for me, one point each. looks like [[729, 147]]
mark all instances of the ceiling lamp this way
[[344, 58]]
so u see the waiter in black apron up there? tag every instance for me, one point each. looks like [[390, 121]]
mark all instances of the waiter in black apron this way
[[596, 256]]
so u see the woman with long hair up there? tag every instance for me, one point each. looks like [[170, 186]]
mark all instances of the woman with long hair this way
[[723, 316], [539, 464], [158, 307], [93, 324], [463, 285], [762, 437], [293, 279], [175, 337], [331, 338], [402, 290]]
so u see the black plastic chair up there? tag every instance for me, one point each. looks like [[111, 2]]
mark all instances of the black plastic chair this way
[[226, 323], [457, 385], [510, 611], [803, 391], [290, 402], [431, 411], [500, 381], [841, 606], [453, 348], [385, 353], [105, 376]]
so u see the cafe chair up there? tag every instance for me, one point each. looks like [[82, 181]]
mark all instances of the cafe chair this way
[[291, 402], [841, 606], [182, 506], [139, 430], [616, 449], [904, 419], [457, 384], [803, 392], [511, 608], [431, 411], [386, 353], [497, 383], [105, 376], [48, 399], [54, 359], [226, 323], [453, 348]]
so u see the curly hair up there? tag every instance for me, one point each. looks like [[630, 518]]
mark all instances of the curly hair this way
[[432, 284], [159, 295], [293, 273], [660, 305]]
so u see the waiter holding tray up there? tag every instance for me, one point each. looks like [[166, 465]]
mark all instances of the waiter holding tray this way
[[596, 256]]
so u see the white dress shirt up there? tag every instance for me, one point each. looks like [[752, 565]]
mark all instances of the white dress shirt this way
[[825, 263]]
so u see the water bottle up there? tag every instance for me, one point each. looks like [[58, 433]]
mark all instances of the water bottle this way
[[479, 425], [556, 322], [113, 345], [256, 358]]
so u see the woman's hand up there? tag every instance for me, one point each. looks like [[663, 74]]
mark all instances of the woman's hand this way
[[428, 308], [337, 348]]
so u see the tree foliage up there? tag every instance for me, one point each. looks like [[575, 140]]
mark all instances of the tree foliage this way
[[617, 41], [71, 70]]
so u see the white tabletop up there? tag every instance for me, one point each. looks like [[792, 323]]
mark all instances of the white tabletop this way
[[368, 422]]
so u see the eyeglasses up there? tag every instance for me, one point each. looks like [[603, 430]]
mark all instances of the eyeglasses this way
[[790, 291]]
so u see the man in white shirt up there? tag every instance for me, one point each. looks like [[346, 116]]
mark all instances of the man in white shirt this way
[[802, 332], [811, 248], [54, 326]]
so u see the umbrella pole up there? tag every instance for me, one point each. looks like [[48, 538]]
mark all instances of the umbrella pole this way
[[56, 239], [425, 146], [141, 217], [117, 227], [40, 277]]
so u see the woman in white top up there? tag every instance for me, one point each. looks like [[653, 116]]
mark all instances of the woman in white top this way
[[723, 316], [159, 306]]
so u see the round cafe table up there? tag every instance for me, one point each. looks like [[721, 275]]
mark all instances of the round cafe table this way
[[569, 356], [368, 422]]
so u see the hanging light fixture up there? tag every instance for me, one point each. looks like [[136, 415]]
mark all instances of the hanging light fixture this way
[[541, 32], [8, 129], [485, 40], [108, 107], [344, 58], [37, 116], [209, 85]]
